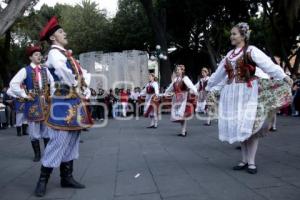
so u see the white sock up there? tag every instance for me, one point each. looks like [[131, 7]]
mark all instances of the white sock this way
[[244, 152], [252, 145], [183, 131], [152, 122]]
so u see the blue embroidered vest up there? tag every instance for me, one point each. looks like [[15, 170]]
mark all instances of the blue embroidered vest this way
[[34, 110], [68, 111], [18, 105]]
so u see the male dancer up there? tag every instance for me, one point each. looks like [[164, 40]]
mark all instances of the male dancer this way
[[68, 114], [32, 84]]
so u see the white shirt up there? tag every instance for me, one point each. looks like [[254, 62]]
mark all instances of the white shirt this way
[[266, 65], [18, 79], [135, 95], [186, 81], [58, 61], [154, 84], [202, 80]]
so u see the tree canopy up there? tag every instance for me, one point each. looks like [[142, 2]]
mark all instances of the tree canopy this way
[[199, 29]]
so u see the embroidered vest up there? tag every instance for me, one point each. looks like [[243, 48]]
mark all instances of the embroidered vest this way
[[243, 72], [69, 111], [202, 85], [18, 105], [150, 89], [34, 110], [179, 86]]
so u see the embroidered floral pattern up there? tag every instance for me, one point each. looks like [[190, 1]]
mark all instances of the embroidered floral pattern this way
[[72, 113], [212, 103], [273, 95], [34, 111]]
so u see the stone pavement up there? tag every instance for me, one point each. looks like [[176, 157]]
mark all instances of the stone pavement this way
[[126, 161]]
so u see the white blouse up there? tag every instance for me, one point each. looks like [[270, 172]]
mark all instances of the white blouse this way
[[15, 89], [260, 58], [186, 81]]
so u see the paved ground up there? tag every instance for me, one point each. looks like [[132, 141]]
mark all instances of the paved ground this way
[[125, 161]]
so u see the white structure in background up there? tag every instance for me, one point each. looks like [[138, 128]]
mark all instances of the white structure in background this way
[[127, 69], [153, 66]]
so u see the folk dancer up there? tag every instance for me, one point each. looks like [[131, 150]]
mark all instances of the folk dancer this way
[[68, 113], [37, 82]]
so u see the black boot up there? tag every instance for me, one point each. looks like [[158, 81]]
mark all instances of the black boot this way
[[67, 180], [46, 140], [41, 186], [24, 129], [19, 131], [36, 150]]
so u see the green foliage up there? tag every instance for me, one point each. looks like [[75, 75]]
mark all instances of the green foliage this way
[[130, 27], [192, 25]]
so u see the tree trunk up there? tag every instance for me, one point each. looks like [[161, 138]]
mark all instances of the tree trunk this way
[[161, 39], [4, 59], [211, 54], [297, 62], [13, 10], [283, 50]]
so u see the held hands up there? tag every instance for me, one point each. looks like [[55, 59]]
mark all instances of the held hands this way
[[29, 97]]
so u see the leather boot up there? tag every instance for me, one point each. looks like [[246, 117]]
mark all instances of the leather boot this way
[[24, 129], [46, 140], [36, 150], [41, 186], [67, 180], [19, 131]]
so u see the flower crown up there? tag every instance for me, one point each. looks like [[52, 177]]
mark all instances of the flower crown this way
[[244, 29]]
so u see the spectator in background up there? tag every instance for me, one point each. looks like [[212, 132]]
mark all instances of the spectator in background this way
[[130, 103], [134, 97], [110, 100], [296, 97], [3, 119], [93, 106], [101, 106], [8, 102], [117, 107], [124, 102]]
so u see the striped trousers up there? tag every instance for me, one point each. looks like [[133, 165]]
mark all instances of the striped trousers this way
[[62, 147], [37, 130]]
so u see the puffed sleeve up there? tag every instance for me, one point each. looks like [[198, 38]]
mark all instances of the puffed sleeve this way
[[266, 64], [219, 86], [143, 91], [51, 82], [169, 88], [16, 82], [190, 85], [218, 76], [10, 93], [58, 61], [156, 88]]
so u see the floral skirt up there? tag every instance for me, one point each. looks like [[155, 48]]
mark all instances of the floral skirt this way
[[272, 96], [212, 102]]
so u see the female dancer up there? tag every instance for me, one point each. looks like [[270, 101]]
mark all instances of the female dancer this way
[[151, 91], [246, 101], [182, 108], [201, 85]]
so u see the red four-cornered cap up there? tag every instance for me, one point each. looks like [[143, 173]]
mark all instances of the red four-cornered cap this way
[[49, 28], [32, 49]]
